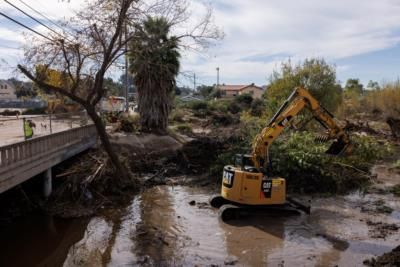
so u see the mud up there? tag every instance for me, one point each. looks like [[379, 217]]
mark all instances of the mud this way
[[174, 226]]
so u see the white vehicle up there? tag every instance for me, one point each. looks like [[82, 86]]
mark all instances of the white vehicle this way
[[113, 104]]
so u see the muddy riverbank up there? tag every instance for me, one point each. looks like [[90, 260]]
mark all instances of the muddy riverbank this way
[[160, 228]]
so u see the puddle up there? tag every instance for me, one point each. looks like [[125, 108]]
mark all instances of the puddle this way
[[161, 228]]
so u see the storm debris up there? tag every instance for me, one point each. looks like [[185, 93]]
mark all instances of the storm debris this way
[[386, 260], [381, 229]]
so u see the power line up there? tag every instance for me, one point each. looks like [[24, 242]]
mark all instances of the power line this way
[[33, 18], [38, 33], [26, 27], [42, 15]]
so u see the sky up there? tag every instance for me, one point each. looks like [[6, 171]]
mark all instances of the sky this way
[[361, 38]]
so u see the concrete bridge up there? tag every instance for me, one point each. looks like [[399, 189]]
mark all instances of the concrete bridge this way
[[23, 160]]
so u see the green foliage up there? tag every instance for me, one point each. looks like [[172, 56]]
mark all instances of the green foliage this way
[[223, 119], [314, 74], [184, 129], [384, 209], [113, 88], [226, 158], [396, 190], [396, 164], [198, 105], [307, 168], [244, 100], [354, 86], [251, 126], [205, 90], [234, 108], [257, 107], [34, 111], [221, 105], [373, 85], [216, 93], [177, 115], [130, 124], [200, 108]]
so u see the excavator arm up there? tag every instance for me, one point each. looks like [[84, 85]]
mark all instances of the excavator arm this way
[[296, 102]]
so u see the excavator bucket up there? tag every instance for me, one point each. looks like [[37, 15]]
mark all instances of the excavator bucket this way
[[340, 147]]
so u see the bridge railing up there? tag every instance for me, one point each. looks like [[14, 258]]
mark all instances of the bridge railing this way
[[26, 151]]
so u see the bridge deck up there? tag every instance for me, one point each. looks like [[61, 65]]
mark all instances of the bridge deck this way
[[24, 160]]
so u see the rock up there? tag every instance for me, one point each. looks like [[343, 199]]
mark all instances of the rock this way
[[231, 260], [192, 203]]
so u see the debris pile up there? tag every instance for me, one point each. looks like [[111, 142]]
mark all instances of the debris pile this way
[[386, 260]]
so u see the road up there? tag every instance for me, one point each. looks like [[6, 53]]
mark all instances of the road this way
[[11, 128]]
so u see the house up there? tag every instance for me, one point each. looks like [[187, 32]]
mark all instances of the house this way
[[7, 90], [235, 90]]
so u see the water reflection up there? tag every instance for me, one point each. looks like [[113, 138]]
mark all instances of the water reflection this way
[[39, 241]]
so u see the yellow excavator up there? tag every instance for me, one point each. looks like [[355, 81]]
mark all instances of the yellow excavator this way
[[249, 185]]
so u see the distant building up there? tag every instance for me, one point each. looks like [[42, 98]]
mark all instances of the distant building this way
[[235, 90], [7, 91]]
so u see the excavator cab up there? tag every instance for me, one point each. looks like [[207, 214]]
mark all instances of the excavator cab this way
[[245, 163]]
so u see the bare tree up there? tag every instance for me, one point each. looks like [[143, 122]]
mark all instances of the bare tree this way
[[95, 42]]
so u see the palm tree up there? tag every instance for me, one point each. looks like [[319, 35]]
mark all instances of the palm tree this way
[[154, 62]]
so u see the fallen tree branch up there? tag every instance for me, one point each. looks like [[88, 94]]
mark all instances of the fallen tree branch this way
[[352, 167], [66, 173], [90, 178]]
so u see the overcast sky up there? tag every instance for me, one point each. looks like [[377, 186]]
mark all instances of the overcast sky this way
[[360, 37]]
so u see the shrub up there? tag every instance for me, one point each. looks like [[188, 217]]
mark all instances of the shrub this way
[[244, 100], [216, 93], [378, 103], [234, 108], [177, 115], [130, 124], [10, 112], [200, 108], [184, 129], [307, 168], [396, 190], [198, 105], [221, 105], [257, 107], [35, 111], [223, 119]]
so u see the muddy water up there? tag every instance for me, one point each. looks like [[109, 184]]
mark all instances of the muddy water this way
[[161, 228]]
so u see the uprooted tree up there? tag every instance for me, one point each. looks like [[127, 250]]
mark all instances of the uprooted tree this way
[[96, 40]]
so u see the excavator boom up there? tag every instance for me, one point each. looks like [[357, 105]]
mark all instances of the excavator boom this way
[[299, 99]]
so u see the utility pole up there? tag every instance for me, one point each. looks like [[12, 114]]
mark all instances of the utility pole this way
[[194, 82], [217, 78], [126, 70]]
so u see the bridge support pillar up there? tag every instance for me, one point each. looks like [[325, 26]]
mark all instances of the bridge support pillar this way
[[47, 183]]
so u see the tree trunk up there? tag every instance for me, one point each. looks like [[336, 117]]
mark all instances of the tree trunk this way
[[154, 107], [120, 169]]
